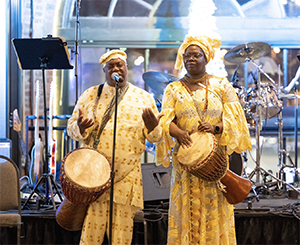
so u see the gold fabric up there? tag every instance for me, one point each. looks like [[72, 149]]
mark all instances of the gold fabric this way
[[206, 43], [113, 54], [130, 137], [199, 212], [96, 223]]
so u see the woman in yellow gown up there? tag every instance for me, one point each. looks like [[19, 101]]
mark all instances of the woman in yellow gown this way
[[199, 213]]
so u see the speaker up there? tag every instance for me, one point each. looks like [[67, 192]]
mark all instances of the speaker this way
[[156, 182]]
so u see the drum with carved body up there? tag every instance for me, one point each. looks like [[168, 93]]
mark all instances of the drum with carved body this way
[[207, 160], [85, 176]]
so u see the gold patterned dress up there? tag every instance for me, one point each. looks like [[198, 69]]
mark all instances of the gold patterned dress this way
[[199, 213]]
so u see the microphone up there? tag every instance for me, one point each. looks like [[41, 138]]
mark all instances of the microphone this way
[[115, 76], [293, 82]]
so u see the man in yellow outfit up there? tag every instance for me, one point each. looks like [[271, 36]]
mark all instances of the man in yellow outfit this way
[[137, 120]]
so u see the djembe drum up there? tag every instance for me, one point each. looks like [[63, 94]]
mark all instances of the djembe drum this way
[[207, 160], [85, 176]]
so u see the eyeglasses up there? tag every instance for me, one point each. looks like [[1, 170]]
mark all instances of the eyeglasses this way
[[194, 55]]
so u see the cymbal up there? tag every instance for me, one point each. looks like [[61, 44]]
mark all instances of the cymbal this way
[[158, 81], [252, 50]]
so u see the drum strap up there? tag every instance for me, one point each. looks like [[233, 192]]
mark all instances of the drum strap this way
[[107, 114], [202, 85], [196, 104]]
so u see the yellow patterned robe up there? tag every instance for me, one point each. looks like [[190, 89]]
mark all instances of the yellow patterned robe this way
[[130, 137], [199, 212]]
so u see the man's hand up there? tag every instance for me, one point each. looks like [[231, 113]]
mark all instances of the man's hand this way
[[82, 123], [150, 120]]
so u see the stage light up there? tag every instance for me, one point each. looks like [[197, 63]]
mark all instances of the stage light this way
[[139, 60], [276, 50], [272, 140]]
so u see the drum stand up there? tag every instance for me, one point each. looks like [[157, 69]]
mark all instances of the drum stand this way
[[36, 54]]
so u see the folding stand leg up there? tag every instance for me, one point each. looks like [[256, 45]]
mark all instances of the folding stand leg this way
[[48, 182]]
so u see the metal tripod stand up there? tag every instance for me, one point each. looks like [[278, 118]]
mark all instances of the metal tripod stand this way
[[282, 152], [258, 169], [42, 54]]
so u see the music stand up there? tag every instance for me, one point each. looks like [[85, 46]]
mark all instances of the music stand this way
[[42, 54]]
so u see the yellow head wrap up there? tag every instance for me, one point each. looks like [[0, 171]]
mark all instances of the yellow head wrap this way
[[113, 54], [206, 43]]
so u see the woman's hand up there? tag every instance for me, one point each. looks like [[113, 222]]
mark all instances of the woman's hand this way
[[183, 137], [206, 127]]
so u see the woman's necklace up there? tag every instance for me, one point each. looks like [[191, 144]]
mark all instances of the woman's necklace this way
[[196, 80]]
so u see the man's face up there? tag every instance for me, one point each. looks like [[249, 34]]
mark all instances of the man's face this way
[[194, 61], [118, 66]]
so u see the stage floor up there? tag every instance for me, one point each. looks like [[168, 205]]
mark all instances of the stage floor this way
[[271, 220], [266, 202]]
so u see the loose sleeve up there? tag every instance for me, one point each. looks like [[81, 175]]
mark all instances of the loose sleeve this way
[[235, 130], [164, 146]]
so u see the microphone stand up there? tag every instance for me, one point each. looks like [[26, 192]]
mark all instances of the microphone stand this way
[[296, 123], [76, 55], [76, 49], [112, 173]]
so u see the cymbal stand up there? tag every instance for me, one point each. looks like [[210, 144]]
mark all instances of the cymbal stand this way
[[282, 164], [258, 169], [247, 177], [282, 152]]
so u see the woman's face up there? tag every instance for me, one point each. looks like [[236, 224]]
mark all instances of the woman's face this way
[[195, 61]]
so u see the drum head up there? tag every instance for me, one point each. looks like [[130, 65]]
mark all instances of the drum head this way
[[202, 147], [87, 167]]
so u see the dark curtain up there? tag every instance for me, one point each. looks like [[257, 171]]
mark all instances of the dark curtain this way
[[252, 227]]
